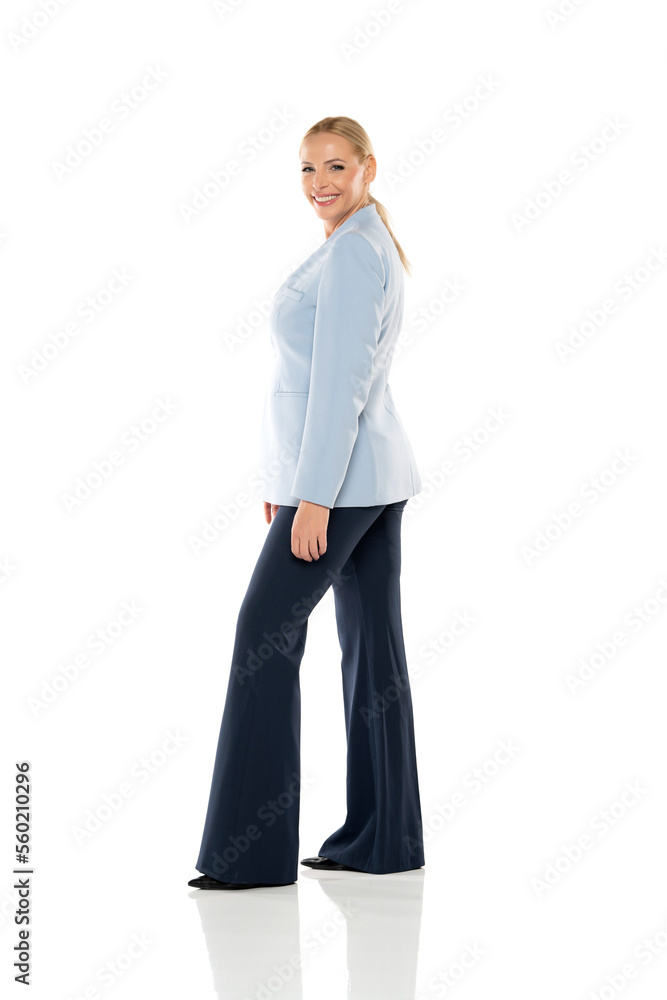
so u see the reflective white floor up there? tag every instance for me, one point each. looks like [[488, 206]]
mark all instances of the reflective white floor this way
[[342, 932], [469, 924]]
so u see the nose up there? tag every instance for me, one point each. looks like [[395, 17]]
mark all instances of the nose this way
[[316, 183]]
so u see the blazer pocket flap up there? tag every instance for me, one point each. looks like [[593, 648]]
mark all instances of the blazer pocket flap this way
[[292, 293]]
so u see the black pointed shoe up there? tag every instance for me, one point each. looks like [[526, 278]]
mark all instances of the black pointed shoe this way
[[325, 864], [207, 882]]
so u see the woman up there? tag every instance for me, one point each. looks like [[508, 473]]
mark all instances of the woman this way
[[338, 470]]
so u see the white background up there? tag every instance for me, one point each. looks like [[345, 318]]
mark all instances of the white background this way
[[497, 880]]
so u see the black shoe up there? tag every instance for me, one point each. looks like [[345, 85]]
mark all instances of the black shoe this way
[[207, 882], [326, 865]]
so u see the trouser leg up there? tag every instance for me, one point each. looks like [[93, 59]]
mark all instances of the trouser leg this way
[[383, 828], [251, 826]]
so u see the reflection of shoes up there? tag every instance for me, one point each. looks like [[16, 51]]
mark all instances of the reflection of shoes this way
[[206, 882], [326, 864]]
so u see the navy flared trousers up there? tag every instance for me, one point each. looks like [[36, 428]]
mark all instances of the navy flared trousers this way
[[252, 821]]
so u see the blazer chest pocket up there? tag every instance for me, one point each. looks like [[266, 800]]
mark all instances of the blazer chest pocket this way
[[291, 293]]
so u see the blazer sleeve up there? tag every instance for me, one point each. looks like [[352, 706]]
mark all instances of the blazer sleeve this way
[[348, 319]]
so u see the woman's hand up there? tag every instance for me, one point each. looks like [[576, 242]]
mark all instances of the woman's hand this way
[[309, 530], [270, 510]]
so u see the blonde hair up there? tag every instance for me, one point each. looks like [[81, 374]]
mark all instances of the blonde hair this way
[[358, 138]]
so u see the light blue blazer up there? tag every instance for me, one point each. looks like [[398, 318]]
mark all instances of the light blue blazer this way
[[330, 432]]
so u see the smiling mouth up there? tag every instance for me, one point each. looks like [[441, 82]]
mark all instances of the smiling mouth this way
[[325, 199]]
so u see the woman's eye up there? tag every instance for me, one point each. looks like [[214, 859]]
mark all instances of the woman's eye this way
[[335, 166]]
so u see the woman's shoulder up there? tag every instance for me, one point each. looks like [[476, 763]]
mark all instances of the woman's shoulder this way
[[369, 246]]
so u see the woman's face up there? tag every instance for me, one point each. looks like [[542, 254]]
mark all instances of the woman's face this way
[[329, 167]]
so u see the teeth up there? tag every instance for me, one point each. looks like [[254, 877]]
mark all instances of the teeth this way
[[328, 198]]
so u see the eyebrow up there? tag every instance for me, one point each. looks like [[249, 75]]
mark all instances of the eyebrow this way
[[336, 158]]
